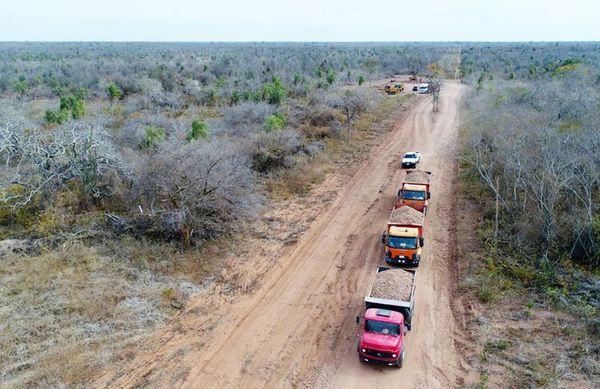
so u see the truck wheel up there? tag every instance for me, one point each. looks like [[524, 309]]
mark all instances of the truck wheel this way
[[400, 361]]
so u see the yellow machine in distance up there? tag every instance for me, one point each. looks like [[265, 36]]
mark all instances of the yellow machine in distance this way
[[393, 87]]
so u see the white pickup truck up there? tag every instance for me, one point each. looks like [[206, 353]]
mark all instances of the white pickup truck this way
[[411, 159]]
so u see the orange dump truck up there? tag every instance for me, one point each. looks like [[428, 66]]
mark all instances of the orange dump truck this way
[[415, 190], [403, 237]]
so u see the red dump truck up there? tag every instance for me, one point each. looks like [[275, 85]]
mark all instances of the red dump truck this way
[[403, 237], [415, 190], [389, 306]]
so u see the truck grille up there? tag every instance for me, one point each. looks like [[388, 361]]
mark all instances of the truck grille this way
[[378, 354]]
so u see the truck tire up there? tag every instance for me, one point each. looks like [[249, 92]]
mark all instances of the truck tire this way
[[400, 360]]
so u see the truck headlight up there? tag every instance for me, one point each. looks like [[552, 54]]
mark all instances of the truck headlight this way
[[363, 350], [394, 355]]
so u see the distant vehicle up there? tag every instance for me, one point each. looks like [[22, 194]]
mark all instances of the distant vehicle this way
[[415, 88], [393, 87], [423, 88], [411, 159]]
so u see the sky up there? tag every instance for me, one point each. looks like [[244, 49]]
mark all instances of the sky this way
[[302, 20]]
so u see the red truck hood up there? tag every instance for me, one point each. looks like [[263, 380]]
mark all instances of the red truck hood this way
[[380, 342]]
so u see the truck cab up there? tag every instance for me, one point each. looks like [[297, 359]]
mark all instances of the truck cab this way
[[382, 337], [415, 196], [403, 245]]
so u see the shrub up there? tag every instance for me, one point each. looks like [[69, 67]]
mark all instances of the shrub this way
[[73, 104], [272, 150], [59, 116], [246, 114], [153, 136], [235, 97], [203, 189], [273, 92], [331, 76], [114, 92], [199, 131], [274, 122], [9, 212]]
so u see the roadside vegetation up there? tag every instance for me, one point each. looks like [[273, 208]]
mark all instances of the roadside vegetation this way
[[129, 169], [530, 171]]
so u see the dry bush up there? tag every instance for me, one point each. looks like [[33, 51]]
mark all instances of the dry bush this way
[[298, 180], [274, 150], [248, 114], [69, 312], [205, 188]]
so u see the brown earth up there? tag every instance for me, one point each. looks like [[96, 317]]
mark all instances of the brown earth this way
[[297, 327]]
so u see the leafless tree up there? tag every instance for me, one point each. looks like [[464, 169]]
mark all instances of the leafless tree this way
[[40, 163], [208, 185], [352, 103]]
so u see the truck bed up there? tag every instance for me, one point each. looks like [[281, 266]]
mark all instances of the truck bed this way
[[417, 177], [394, 291]]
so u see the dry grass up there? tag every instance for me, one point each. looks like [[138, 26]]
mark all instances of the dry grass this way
[[67, 313]]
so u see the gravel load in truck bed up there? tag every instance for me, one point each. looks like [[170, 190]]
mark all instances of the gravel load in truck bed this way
[[393, 284], [406, 215], [417, 177]]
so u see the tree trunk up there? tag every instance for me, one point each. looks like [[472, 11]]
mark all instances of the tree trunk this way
[[497, 211]]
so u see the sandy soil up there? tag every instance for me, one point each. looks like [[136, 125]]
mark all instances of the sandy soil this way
[[297, 327]]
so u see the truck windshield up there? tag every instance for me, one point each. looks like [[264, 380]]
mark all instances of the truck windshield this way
[[410, 156], [413, 195], [401, 242], [381, 327]]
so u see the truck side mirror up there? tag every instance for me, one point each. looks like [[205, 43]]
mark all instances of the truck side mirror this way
[[422, 242], [383, 238], [357, 319], [428, 195], [400, 193]]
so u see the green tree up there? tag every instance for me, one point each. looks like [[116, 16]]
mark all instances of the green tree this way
[[73, 104], [331, 76], [274, 91], [58, 116], [370, 65], [199, 131], [211, 98], [23, 88], [114, 92], [274, 122], [153, 136], [235, 97]]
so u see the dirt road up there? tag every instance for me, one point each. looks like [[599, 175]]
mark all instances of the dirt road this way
[[298, 328]]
